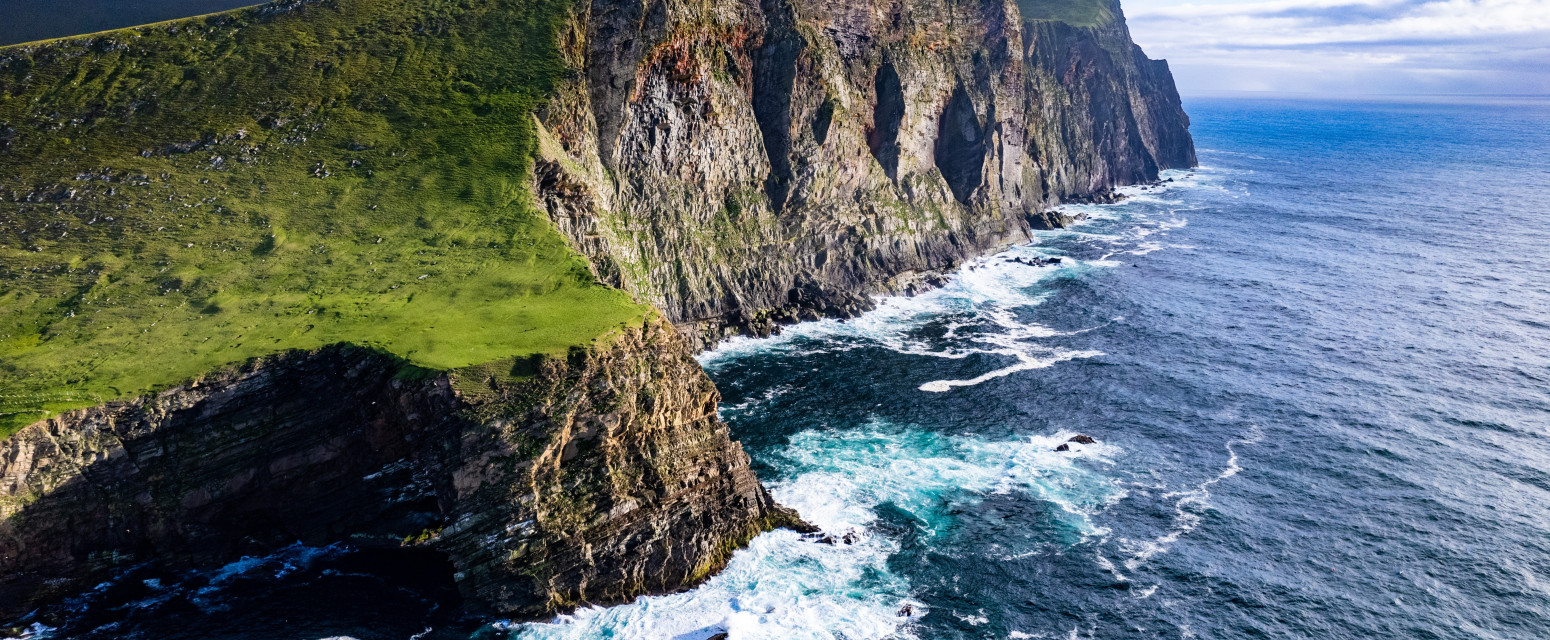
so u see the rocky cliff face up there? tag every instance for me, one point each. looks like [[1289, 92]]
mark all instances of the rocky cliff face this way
[[744, 163], [737, 163], [543, 483]]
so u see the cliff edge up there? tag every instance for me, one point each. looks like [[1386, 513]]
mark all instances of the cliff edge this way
[[744, 164], [541, 482], [379, 271]]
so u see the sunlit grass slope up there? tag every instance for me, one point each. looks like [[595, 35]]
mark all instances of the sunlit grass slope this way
[[178, 197]]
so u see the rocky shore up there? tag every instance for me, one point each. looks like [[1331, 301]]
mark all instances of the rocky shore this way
[[742, 164], [590, 478], [738, 165]]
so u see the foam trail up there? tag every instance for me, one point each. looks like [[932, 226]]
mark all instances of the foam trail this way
[[977, 313], [1025, 362], [1187, 509]]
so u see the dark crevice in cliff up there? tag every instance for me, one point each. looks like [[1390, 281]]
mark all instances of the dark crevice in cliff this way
[[822, 120], [887, 115], [960, 146], [613, 58], [775, 71]]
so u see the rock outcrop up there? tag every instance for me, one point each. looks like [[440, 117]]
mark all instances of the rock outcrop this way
[[545, 483], [741, 164], [738, 164]]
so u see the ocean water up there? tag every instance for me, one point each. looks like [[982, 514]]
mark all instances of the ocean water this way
[[1317, 370], [29, 20], [1318, 373]]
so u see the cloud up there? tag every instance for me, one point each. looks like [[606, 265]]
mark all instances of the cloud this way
[[1351, 46]]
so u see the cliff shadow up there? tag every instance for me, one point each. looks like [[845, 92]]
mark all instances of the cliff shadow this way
[[960, 146], [887, 115]]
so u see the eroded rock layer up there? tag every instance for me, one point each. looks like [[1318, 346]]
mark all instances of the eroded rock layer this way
[[743, 163], [545, 482]]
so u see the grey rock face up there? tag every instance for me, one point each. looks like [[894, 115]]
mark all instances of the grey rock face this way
[[745, 164], [738, 164], [591, 478]]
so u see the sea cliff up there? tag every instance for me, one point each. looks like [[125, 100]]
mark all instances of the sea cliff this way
[[734, 164], [743, 164], [542, 482]]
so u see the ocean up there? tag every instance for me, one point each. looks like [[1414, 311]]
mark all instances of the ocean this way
[[1315, 372]]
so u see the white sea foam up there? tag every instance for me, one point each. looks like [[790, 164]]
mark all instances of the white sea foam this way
[[781, 586], [769, 394], [1188, 508], [976, 313], [982, 295], [37, 631], [1025, 361], [784, 586]]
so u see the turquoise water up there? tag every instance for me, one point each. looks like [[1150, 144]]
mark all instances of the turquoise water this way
[[1317, 370]]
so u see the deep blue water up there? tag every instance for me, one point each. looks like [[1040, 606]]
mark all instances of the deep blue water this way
[[29, 20], [1317, 369]]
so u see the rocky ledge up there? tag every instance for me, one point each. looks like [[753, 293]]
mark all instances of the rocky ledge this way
[[543, 482], [746, 163], [738, 164]]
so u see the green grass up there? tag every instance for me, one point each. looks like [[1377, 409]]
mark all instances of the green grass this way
[[162, 212], [1079, 13]]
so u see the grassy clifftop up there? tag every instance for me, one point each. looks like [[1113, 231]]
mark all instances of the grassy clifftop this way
[[185, 195]]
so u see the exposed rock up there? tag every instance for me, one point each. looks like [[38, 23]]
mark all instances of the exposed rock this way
[[1037, 261], [1082, 439], [1063, 447], [738, 164], [595, 478], [745, 164]]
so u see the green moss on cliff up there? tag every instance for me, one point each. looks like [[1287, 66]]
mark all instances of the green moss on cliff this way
[[1079, 13], [185, 195]]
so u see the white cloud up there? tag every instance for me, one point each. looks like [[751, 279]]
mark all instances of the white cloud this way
[[1350, 46]]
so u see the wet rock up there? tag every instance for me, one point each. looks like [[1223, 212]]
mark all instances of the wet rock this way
[[1082, 439], [332, 446], [1063, 447], [906, 611]]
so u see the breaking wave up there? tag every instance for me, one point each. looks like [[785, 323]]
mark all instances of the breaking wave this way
[[789, 586]]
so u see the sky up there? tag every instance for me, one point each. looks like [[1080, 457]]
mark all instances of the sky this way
[[1349, 46]]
